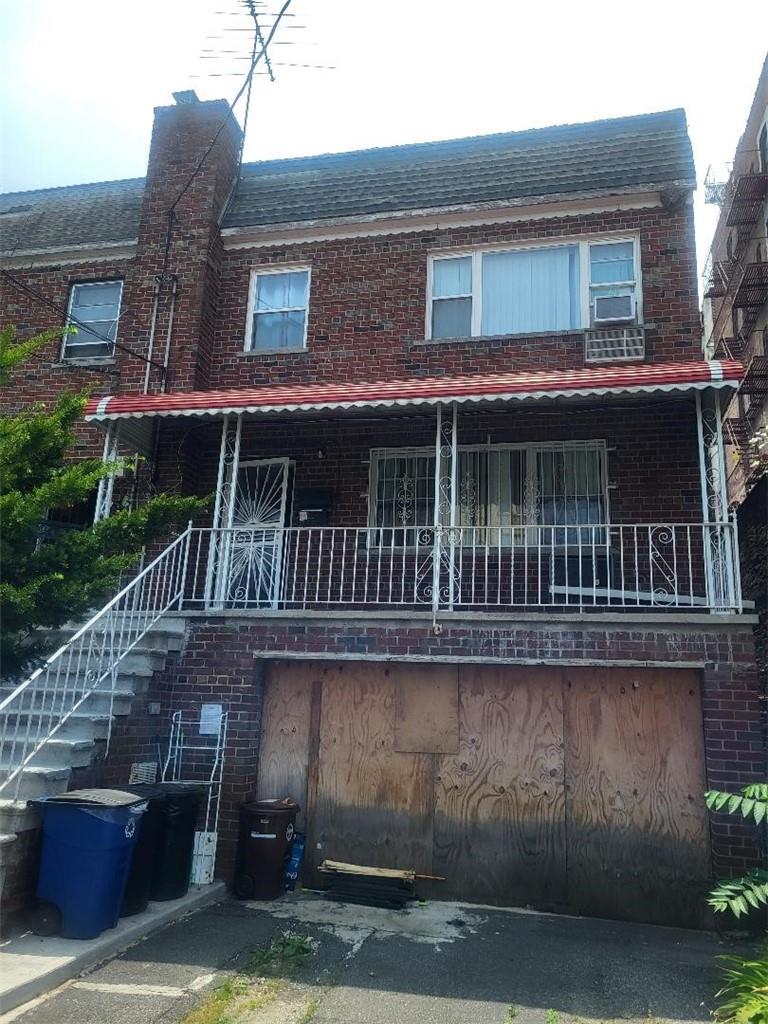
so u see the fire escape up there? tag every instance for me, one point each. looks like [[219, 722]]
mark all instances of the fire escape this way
[[736, 282]]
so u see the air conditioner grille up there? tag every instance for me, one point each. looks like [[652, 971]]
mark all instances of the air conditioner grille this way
[[614, 345]]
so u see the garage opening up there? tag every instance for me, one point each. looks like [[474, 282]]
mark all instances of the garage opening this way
[[573, 789]]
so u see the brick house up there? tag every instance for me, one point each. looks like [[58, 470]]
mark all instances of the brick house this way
[[468, 588]]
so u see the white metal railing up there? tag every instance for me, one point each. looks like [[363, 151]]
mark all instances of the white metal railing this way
[[35, 711], [645, 565]]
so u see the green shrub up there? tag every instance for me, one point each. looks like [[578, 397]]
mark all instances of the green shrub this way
[[743, 999]]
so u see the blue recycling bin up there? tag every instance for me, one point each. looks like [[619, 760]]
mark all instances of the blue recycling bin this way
[[88, 839]]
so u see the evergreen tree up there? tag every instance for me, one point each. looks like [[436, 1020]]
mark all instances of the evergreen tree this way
[[45, 580]]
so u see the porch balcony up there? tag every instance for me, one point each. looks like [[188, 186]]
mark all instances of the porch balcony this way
[[566, 568], [558, 491]]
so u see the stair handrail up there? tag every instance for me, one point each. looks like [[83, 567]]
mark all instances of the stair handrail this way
[[91, 655]]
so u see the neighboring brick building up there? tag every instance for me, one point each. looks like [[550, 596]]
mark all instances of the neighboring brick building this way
[[736, 327], [468, 589]]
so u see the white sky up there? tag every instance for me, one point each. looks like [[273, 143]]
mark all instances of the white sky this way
[[79, 78]]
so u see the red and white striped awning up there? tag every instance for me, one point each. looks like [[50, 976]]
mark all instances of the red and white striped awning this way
[[637, 379]]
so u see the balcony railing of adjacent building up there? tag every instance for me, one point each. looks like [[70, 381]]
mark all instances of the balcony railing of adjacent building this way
[[644, 566]]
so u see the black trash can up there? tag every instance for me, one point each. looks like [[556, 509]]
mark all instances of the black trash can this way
[[173, 863], [146, 852], [266, 831]]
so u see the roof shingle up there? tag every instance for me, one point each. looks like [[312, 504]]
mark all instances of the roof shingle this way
[[600, 156], [107, 211], [619, 154]]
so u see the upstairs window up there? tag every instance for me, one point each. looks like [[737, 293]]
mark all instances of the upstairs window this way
[[612, 282], [278, 318], [94, 309], [532, 290]]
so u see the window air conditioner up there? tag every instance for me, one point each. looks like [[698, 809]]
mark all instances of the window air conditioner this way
[[613, 309]]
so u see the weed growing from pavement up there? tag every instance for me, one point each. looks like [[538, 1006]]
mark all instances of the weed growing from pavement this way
[[552, 1017], [309, 1013], [258, 983], [511, 1014]]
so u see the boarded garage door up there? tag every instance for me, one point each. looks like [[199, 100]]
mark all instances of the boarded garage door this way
[[578, 789]]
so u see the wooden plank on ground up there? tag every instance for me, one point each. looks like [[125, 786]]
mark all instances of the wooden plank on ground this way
[[636, 820], [374, 805], [499, 814], [427, 713], [362, 869], [284, 754]]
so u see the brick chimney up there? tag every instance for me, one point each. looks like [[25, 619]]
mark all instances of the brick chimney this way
[[186, 256]]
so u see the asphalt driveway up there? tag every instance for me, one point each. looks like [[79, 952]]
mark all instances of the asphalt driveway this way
[[444, 963]]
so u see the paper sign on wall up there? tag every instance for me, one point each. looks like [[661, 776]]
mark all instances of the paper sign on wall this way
[[210, 719]]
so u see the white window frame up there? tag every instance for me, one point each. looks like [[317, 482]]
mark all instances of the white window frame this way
[[531, 478], [256, 273], [64, 357], [582, 242]]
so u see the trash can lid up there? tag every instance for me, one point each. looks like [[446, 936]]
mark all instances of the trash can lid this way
[[196, 788], [285, 805], [94, 797]]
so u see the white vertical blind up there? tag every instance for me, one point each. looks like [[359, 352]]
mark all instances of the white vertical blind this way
[[530, 290]]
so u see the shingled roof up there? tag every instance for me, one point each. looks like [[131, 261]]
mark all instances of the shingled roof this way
[[613, 156], [599, 156], [51, 218]]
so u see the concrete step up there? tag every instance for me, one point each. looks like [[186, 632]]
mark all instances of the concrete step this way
[[98, 703], [36, 722], [17, 816], [55, 753], [140, 662], [7, 839], [167, 634], [36, 781]]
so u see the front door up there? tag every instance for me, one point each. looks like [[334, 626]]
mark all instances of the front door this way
[[255, 541]]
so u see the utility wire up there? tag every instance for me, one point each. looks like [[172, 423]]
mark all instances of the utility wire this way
[[33, 293]]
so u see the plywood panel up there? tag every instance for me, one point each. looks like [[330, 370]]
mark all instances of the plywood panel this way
[[427, 709], [374, 805], [284, 753], [499, 803], [637, 825]]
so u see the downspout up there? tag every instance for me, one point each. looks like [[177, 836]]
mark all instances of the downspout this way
[[169, 333], [152, 327]]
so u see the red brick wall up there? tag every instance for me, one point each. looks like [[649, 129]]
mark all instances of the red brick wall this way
[[44, 376], [652, 451], [368, 298]]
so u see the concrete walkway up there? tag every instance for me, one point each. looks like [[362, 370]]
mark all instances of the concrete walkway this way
[[445, 963], [31, 965]]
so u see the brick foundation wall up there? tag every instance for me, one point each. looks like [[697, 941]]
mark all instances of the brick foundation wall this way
[[20, 880], [224, 657]]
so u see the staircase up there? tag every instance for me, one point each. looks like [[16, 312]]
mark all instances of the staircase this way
[[60, 718]]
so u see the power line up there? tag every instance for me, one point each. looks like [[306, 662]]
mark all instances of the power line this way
[[256, 58]]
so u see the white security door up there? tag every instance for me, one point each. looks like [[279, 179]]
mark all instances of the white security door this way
[[255, 541]]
